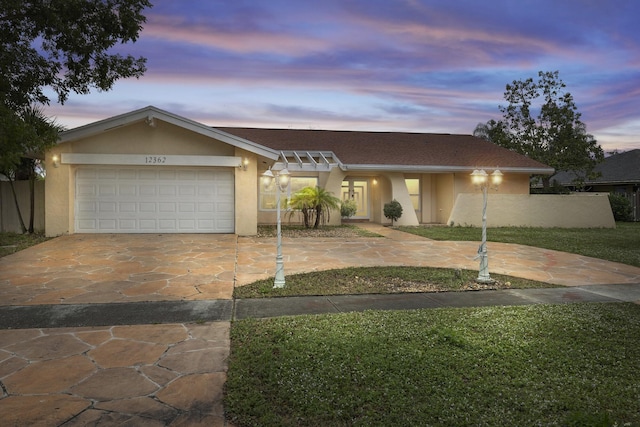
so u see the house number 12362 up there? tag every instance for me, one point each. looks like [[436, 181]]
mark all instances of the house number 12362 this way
[[155, 160]]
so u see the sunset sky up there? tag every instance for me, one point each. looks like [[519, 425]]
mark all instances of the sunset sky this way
[[382, 65]]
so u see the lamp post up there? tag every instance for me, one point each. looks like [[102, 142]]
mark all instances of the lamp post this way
[[281, 181], [481, 179]]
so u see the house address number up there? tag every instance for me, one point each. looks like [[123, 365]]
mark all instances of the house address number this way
[[155, 160]]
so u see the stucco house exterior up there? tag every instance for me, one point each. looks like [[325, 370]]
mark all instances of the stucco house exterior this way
[[151, 171]]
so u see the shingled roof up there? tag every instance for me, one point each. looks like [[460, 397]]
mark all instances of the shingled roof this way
[[622, 168], [395, 150]]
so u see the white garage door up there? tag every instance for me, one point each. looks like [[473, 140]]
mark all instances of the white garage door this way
[[154, 200]]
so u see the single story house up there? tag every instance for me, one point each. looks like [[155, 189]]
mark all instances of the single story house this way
[[151, 171], [619, 173]]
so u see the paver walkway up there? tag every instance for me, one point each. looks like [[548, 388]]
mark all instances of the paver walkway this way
[[173, 373]]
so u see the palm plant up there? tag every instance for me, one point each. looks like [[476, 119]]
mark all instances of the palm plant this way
[[314, 203]]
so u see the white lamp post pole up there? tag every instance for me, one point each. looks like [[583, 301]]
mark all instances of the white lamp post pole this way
[[281, 182], [480, 178]]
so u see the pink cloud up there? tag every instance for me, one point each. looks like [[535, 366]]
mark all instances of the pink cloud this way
[[246, 42]]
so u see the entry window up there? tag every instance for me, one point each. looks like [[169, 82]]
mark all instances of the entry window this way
[[413, 185], [296, 183]]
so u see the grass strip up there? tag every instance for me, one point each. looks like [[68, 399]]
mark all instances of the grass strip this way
[[13, 242], [380, 280]]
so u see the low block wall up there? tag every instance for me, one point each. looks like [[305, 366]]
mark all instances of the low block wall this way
[[580, 210]]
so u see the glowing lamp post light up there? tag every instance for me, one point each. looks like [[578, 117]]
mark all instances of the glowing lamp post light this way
[[282, 181], [481, 179]]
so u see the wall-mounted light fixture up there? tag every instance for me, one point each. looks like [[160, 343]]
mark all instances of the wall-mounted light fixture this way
[[56, 160], [151, 122], [245, 163]]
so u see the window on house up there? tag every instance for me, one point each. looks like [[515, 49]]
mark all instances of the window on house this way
[[413, 185], [296, 183]]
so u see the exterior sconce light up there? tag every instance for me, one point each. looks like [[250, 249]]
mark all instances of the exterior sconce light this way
[[481, 179], [245, 164], [56, 160], [282, 181]]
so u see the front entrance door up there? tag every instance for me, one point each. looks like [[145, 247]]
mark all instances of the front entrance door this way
[[357, 190]]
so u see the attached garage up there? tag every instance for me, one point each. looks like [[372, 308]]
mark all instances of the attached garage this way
[[154, 199], [150, 171]]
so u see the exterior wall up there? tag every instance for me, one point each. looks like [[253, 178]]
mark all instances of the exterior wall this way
[[332, 182], [246, 193], [9, 221], [631, 191], [140, 138], [444, 196], [438, 194], [582, 210], [380, 191], [59, 194]]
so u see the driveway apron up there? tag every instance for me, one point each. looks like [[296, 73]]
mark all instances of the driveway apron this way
[[150, 374]]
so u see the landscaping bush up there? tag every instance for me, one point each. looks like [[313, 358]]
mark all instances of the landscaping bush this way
[[393, 210], [621, 207], [348, 208]]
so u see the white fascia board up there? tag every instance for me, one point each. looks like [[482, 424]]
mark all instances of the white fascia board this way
[[444, 169], [151, 112], [149, 160]]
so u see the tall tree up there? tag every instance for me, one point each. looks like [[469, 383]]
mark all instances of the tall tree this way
[[542, 122], [65, 45]]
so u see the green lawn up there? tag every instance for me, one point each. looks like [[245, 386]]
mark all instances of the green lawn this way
[[380, 280], [13, 242], [569, 365], [621, 244]]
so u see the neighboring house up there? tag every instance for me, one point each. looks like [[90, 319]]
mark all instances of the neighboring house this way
[[619, 173], [150, 171]]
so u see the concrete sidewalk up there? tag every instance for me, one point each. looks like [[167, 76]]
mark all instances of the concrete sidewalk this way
[[149, 313], [134, 330]]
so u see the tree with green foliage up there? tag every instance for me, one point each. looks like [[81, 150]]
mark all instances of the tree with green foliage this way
[[542, 122], [393, 210], [315, 203], [23, 138], [65, 45]]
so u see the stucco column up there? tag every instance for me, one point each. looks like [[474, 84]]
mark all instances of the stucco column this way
[[400, 192], [246, 195], [333, 184], [58, 193]]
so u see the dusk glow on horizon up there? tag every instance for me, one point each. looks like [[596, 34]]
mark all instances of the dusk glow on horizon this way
[[378, 65]]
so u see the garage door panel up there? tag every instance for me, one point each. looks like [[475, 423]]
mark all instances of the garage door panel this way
[[126, 207], [107, 225], [151, 199], [147, 190], [167, 224], [107, 207], [86, 190]]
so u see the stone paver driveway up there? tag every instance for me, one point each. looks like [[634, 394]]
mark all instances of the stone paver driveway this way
[[173, 374]]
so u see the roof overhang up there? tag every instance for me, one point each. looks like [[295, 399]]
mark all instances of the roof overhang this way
[[445, 169], [150, 114]]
